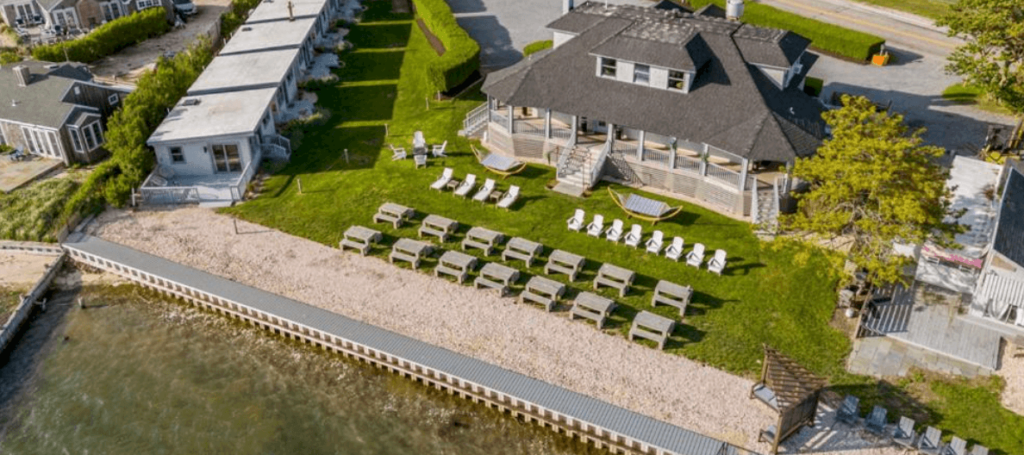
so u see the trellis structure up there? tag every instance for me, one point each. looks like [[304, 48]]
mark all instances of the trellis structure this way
[[790, 389]]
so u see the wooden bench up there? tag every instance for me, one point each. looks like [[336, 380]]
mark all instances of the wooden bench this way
[[564, 262], [593, 307], [496, 276], [672, 294], [522, 249], [543, 291], [615, 277], [485, 239], [438, 226], [359, 238], [652, 327], [409, 250], [393, 213], [455, 264]]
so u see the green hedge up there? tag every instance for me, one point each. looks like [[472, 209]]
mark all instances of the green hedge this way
[[537, 46], [830, 38], [231, 20], [107, 38], [462, 54]]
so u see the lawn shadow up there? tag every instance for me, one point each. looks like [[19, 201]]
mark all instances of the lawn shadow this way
[[467, 6], [373, 66], [380, 36], [742, 269]]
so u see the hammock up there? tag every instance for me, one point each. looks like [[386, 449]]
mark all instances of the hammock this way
[[644, 208], [498, 164]]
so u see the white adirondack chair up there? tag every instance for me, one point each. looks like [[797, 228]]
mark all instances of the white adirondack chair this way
[[675, 250], [614, 233], [576, 222], [696, 257], [596, 227], [438, 150], [717, 263], [466, 186], [446, 176], [509, 198], [634, 236], [485, 191], [655, 242], [397, 153]]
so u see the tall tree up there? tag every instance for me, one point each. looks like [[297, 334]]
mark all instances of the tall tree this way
[[993, 57], [870, 185]]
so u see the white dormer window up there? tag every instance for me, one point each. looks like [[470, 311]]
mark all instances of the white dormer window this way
[[608, 66], [677, 80], [641, 74]]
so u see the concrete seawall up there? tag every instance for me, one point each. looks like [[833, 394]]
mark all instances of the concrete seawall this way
[[21, 313]]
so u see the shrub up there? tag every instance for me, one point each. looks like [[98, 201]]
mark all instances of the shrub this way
[[32, 213], [537, 46], [7, 57], [813, 86], [231, 20], [462, 54], [829, 38], [107, 38]]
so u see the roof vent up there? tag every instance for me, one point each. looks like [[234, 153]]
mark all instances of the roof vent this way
[[23, 74], [191, 102]]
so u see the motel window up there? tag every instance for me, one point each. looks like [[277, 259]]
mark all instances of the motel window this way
[[177, 155], [676, 80], [608, 66], [641, 74]]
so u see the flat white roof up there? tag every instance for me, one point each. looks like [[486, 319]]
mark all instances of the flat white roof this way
[[221, 114], [227, 72], [269, 35], [274, 10], [974, 188]]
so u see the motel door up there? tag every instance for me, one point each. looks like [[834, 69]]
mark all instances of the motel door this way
[[226, 159]]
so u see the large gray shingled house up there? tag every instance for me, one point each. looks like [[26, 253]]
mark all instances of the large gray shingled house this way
[[686, 103]]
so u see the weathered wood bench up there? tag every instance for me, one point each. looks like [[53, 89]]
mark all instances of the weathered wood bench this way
[[455, 264], [652, 327], [543, 291], [485, 239], [615, 277], [522, 249], [593, 307], [564, 262], [359, 238], [438, 226], [672, 294], [409, 250], [393, 213], [496, 276]]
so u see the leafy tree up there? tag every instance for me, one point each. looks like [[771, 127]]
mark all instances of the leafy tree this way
[[993, 57], [871, 184]]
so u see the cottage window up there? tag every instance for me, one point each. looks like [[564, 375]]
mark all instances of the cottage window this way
[[97, 132], [76, 140], [143, 4], [177, 155], [54, 148], [641, 74], [113, 99], [226, 158], [111, 10], [676, 80], [608, 66], [30, 138], [90, 140]]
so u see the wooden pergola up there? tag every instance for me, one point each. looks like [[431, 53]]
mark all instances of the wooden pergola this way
[[790, 389]]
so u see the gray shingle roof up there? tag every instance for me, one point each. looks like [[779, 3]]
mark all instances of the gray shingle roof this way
[[1009, 239], [40, 103], [582, 407], [768, 46], [731, 105]]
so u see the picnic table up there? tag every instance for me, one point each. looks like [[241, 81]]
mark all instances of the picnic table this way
[[438, 226], [520, 248], [652, 327], [543, 291], [455, 264], [409, 250], [615, 277], [485, 239], [593, 307], [359, 238], [393, 213], [564, 262], [496, 276], [672, 294]]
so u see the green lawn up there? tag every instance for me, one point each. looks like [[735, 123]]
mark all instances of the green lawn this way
[[932, 9], [971, 95], [32, 212]]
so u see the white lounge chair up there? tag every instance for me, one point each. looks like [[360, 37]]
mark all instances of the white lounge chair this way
[[596, 227], [576, 222], [509, 198], [466, 186], [420, 160], [485, 191], [675, 250], [397, 153], [717, 263], [634, 236], [696, 257], [614, 233], [438, 150], [443, 180], [655, 242]]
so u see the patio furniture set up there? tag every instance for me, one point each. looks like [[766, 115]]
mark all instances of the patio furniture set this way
[[487, 192], [17, 155], [634, 238], [904, 434], [419, 150]]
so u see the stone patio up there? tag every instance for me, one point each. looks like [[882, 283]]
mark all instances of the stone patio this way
[[884, 356], [15, 174]]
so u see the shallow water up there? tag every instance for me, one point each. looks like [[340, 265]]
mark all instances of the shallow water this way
[[140, 375]]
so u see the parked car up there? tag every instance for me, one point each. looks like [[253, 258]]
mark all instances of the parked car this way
[[184, 7]]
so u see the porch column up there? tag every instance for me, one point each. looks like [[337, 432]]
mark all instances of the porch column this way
[[672, 152], [547, 123], [490, 107], [640, 149], [703, 161], [511, 117], [575, 129], [610, 135], [743, 176]]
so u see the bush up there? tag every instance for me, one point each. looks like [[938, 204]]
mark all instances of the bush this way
[[33, 213], [813, 86], [107, 38], [537, 46], [7, 57], [231, 20], [829, 38], [462, 54]]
